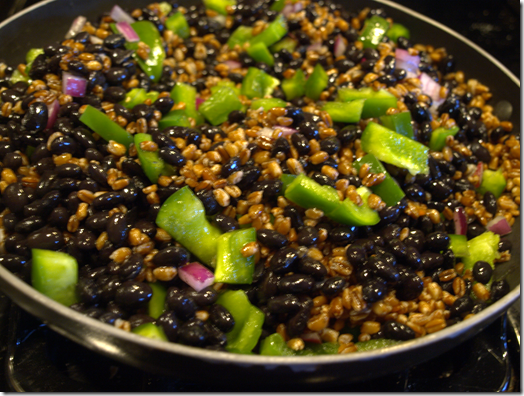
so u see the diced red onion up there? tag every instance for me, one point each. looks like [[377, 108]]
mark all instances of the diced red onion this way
[[286, 131], [127, 31], [267, 132], [73, 85], [292, 9], [340, 46], [196, 275], [232, 64], [311, 336], [315, 47], [478, 172], [76, 27], [407, 62], [430, 87], [53, 108], [460, 221], [499, 225], [119, 15], [95, 40], [198, 102]]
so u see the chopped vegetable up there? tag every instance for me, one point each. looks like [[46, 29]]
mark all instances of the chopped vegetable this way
[[499, 225], [399, 122], [137, 96], [150, 161], [316, 83], [260, 53], [102, 124], [150, 36], [349, 112], [438, 137], [119, 15], [127, 31], [257, 84], [377, 343], [267, 104], [231, 265], [177, 23], [397, 30], [492, 181], [275, 31], [458, 245], [219, 6], [295, 86], [73, 85], [196, 275], [150, 330], [223, 101], [376, 104], [157, 304], [374, 30], [484, 247], [241, 35], [187, 94]]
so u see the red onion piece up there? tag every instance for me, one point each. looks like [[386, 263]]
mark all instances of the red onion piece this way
[[53, 108], [198, 102], [340, 46], [459, 218], [267, 132], [286, 131], [311, 336], [298, 6], [232, 64], [127, 31], [76, 27], [73, 85], [196, 275], [119, 15], [430, 87], [407, 62], [499, 225], [315, 47], [479, 172]]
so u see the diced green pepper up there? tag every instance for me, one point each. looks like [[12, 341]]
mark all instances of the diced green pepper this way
[[248, 321], [397, 30], [493, 181], [187, 94], [395, 149], [484, 247], [268, 103], [30, 57], [148, 34], [288, 43], [374, 30], [137, 96], [260, 53], [287, 179], [349, 213], [151, 163], [157, 305], [102, 125], [217, 107], [177, 23], [278, 5], [389, 190], [150, 330], [165, 7], [274, 345], [459, 245], [55, 274], [325, 348], [275, 31], [174, 118], [399, 122], [438, 137], [257, 83], [17, 76], [294, 87], [316, 83], [241, 35], [377, 343], [347, 112], [225, 83], [183, 217], [219, 6], [377, 102], [231, 266]]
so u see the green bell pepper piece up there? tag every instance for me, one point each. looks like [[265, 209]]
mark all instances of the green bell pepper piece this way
[[217, 107], [278, 5], [400, 123], [484, 247], [397, 30], [257, 83], [137, 96], [438, 137], [459, 245], [150, 330], [187, 94], [377, 102], [165, 7], [389, 190], [183, 217], [55, 274], [350, 213], [231, 266], [325, 348], [148, 34], [268, 103], [274, 32], [493, 181], [219, 6], [248, 321], [30, 57], [377, 343], [241, 35], [225, 83], [260, 53], [151, 163], [177, 23], [347, 112], [174, 118], [294, 87], [395, 149], [374, 30], [107, 129], [274, 345], [157, 305], [17, 76], [287, 43], [316, 83], [287, 179]]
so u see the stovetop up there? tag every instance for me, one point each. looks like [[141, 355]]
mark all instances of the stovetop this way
[[38, 359]]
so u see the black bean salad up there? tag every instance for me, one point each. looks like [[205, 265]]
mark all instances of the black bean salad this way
[[278, 177]]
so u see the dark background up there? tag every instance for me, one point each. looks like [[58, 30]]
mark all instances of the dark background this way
[[493, 25]]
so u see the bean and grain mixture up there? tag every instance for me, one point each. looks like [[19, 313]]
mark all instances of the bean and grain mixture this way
[[314, 279]]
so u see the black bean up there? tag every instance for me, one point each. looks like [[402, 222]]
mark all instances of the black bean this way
[[301, 143], [268, 286], [62, 145], [373, 290], [192, 333], [308, 236], [333, 286], [397, 331], [13, 262], [413, 258], [284, 304], [474, 230], [172, 255], [108, 200], [431, 260], [482, 271], [204, 297], [69, 170], [298, 322], [479, 151], [415, 239], [323, 180], [461, 307], [295, 284], [97, 173], [225, 223], [296, 219], [398, 248], [415, 193], [271, 189], [439, 190], [58, 217], [221, 318], [342, 235], [9, 221], [410, 285], [15, 197], [17, 244], [12, 161], [490, 202], [183, 305], [46, 238], [116, 75], [29, 224], [251, 174], [499, 289], [140, 319], [169, 323], [283, 260], [381, 268], [479, 306], [35, 118], [131, 267], [117, 229], [356, 255], [108, 286], [309, 266], [505, 245], [87, 290], [437, 241]]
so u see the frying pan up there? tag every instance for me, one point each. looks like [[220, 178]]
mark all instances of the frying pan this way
[[47, 22]]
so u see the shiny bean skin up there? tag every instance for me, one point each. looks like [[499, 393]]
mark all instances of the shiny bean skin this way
[[271, 238], [373, 290], [192, 333], [183, 305], [397, 331], [342, 235], [283, 260], [283, 304], [169, 323], [49, 238], [437, 241], [298, 322], [131, 267], [308, 236], [173, 255], [225, 223], [132, 294], [221, 318], [98, 221], [309, 266], [15, 198], [108, 200], [29, 224], [295, 284], [431, 260], [204, 297], [13, 262], [117, 229], [332, 286]]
